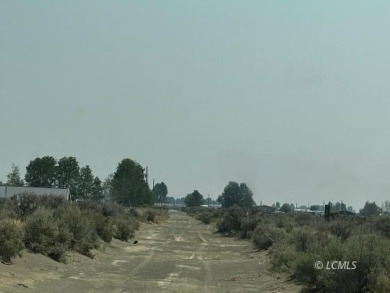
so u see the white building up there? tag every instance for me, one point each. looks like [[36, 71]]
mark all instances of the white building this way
[[9, 191]]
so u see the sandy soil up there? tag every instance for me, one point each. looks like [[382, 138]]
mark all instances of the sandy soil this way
[[182, 255]]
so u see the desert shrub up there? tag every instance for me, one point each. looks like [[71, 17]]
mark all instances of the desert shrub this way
[[371, 254], [305, 219], [104, 228], [302, 239], [155, 214], [150, 215], [382, 225], [284, 221], [248, 225], [132, 211], [341, 229], [124, 228], [89, 205], [24, 204], [51, 201], [231, 222], [304, 270], [11, 239], [7, 209], [264, 236], [379, 280], [81, 228], [207, 215], [42, 234], [283, 256]]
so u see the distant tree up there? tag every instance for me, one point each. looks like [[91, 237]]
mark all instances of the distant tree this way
[[160, 192], [107, 186], [170, 200], [314, 207], [286, 208], [41, 172], [277, 205], [67, 174], [350, 208], [180, 200], [13, 178], [85, 186], [129, 185], [238, 194], [387, 205], [292, 207], [370, 209], [97, 190], [194, 199]]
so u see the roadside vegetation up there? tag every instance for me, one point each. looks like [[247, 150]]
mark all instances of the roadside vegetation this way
[[296, 241], [53, 226]]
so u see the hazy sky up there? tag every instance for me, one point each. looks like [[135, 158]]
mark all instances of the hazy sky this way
[[291, 97]]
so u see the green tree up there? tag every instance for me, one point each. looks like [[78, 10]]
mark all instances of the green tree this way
[[194, 199], [370, 209], [97, 192], [129, 186], [314, 207], [68, 173], [107, 186], [286, 208], [85, 186], [160, 192], [236, 194], [387, 205], [41, 172], [13, 178]]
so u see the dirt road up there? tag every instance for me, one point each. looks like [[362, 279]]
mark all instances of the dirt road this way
[[182, 255]]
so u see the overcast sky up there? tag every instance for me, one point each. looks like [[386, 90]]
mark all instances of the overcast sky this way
[[291, 97]]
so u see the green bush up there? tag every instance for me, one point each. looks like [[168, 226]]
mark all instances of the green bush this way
[[382, 225], [11, 239], [231, 222], [341, 228], [248, 225], [124, 228], [283, 256], [104, 228], [42, 234], [265, 235], [207, 215], [302, 239], [81, 228], [306, 219], [7, 209], [52, 201], [24, 204], [304, 269], [150, 215]]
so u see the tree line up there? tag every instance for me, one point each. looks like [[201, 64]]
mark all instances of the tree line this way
[[233, 194], [127, 185]]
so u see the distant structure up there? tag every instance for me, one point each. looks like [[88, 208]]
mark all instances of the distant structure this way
[[9, 191], [264, 209]]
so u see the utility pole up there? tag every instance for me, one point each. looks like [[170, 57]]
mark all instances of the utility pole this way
[[146, 175]]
